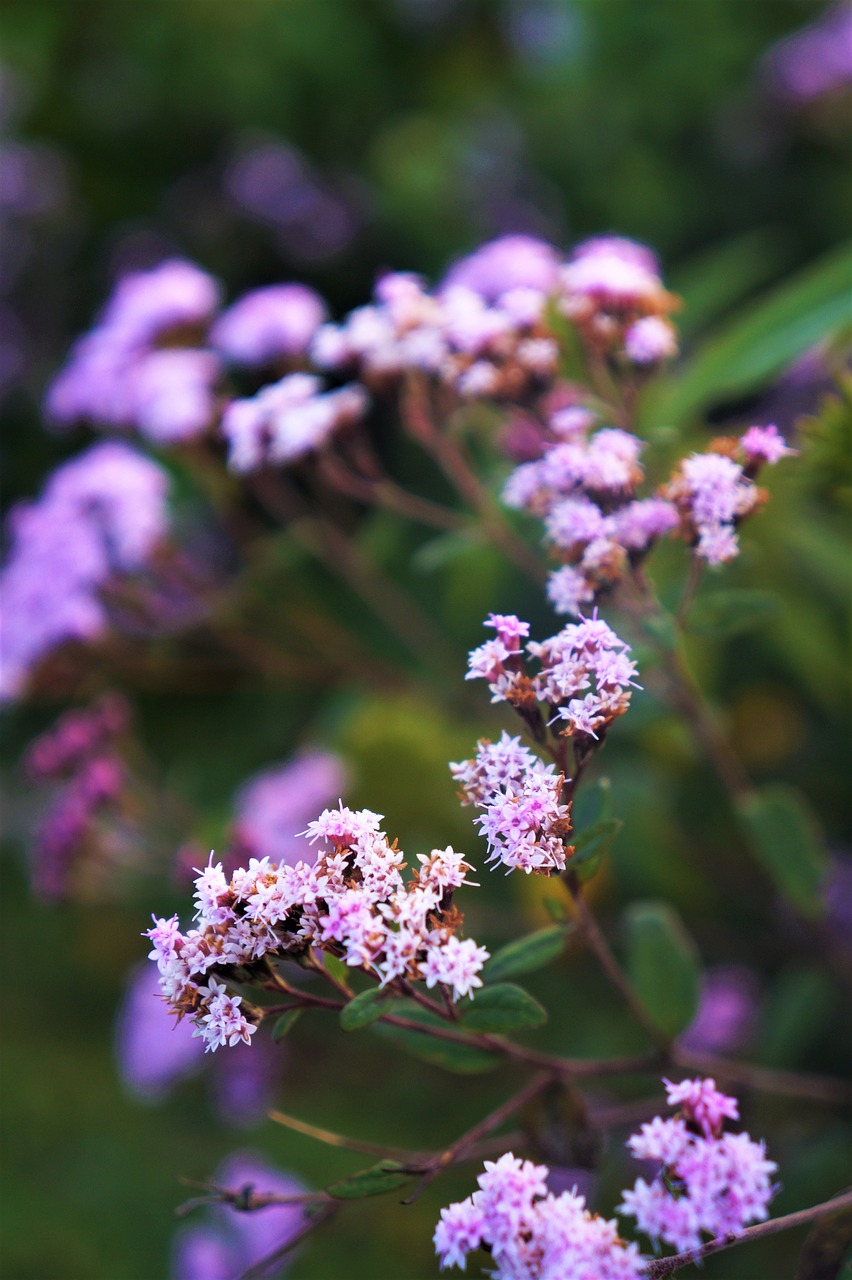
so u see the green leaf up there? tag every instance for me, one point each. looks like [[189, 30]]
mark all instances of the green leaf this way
[[785, 841], [285, 1023], [724, 274], [453, 1055], [376, 1181], [594, 841], [525, 955], [338, 969], [761, 341], [593, 802], [727, 613], [443, 549], [364, 1009], [662, 627], [504, 1007], [663, 964], [556, 909]]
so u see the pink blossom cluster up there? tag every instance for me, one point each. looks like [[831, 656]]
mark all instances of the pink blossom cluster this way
[[715, 491], [100, 517], [79, 754], [523, 819], [143, 366], [530, 1233], [709, 1181], [352, 902], [612, 292], [583, 488], [288, 420], [155, 360], [584, 676]]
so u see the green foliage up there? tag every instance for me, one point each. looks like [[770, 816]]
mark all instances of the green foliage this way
[[728, 613], [283, 1025], [364, 1009], [786, 843], [376, 1181], [502, 1009], [453, 1055], [663, 964], [526, 954]]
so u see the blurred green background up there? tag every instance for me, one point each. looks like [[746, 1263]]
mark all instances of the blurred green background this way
[[411, 130]]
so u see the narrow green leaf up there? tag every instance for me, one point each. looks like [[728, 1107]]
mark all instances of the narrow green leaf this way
[[285, 1023], [338, 969], [504, 1007], [453, 1055], [443, 549], [761, 340], [785, 842], [376, 1181], [663, 964], [663, 628], [594, 841], [555, 909], [593, 802], [727, 613], [364, 1009], [525, 955]]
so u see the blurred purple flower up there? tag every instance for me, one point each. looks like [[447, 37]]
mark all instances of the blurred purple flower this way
[[726, 1012], [270, 324], [511, 262], [273, 808], [234, 1240], [813, 62], [100, 514], [153, 1051], [244, 1080], [272, 183]]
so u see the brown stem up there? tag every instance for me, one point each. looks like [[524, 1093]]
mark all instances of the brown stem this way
[[432, 1167], [342, 557], [793, 1084], [659, 1267], [450, 457], [265, 1266], [382, 492]]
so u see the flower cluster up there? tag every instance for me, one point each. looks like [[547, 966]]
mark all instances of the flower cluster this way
[[583, 488], [523, 820], [100, 516], [352, 902], [714, 491], [612, 291], [583, 483], [709, 1181], [80, 754], [288, 420], [143, 366], [531, 1233], [584, 677]]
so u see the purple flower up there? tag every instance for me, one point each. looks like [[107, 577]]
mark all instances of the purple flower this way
[[278, 322], [511, 262], [232, 1240], [725, 1019], [153, 1050], [173, 394], [100, 515], [275, 806], [147, 303]]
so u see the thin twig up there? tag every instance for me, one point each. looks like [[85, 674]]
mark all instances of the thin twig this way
[[260, 1269], [660, 1267]]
